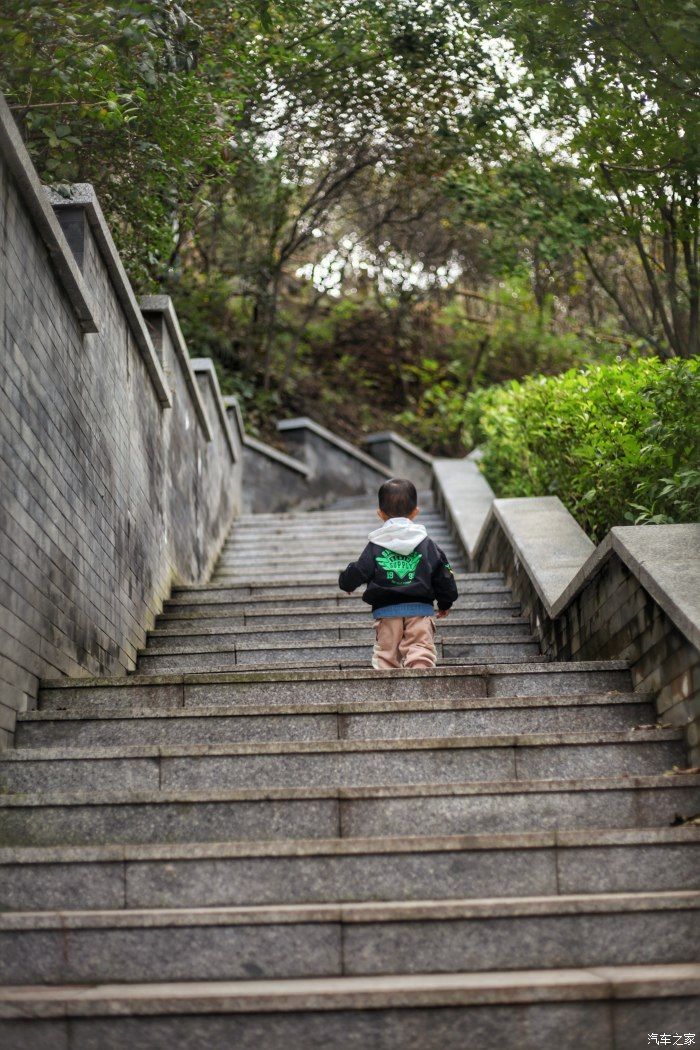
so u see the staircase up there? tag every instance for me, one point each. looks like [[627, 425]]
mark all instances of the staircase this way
[[258, 841]]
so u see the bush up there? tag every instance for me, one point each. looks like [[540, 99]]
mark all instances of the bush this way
[[618, 443]]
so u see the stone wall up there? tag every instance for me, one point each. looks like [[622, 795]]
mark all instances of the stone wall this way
[[401, 457], [274, 482], [110, 452], [607, 614], [336, 468]]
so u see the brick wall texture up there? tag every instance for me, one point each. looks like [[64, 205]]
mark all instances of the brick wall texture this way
[[106, 498]]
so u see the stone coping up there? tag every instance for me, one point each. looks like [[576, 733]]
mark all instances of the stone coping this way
[[233, 407], [82, 195], [402, 442], [550, 544], [304, 423], [204, 366], [163, 304], [146, 852], [467, 496], [559, 558], [351, 993], [33, 194], [666, 561]]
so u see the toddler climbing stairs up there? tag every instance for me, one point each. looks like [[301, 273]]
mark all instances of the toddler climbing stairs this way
[[257, 841]]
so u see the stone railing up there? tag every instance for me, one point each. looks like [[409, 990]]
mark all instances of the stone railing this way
[[120, 474], [336, 467], [274, 482], [403, 459], [635, 597]]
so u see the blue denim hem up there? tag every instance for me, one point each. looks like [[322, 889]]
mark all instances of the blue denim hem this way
[[403, 609]]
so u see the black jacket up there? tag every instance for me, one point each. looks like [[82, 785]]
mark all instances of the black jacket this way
[[424, 575]]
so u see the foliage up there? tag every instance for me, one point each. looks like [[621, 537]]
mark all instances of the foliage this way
[[591, 145], [618, 443]]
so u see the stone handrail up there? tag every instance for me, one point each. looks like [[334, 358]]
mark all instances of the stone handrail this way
[[635, 596], [80, 204], [402, 457], [158, 310], [42, 215], [465, 497], [204, 366]]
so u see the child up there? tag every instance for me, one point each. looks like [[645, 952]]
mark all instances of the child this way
[[405, 573]]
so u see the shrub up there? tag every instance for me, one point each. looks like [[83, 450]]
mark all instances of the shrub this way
[[618, 443]]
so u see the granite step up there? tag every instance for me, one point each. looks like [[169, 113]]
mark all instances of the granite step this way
[[328, 685], [309, 551], [342, 763], [323, 940], [234, 653], [383, 812], [283, 582], [195, 638], [614, 1006], [303, 614], [363, 869], [251, 601], [351, 720]]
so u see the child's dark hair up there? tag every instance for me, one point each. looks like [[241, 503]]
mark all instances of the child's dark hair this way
[[397, 498]]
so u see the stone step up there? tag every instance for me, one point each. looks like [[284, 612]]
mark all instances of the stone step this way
[[614, 1006], [322, 538], [319, 654], [195, 638], [216, 603], [296, 567], [341, 763], [282, 582], [327, 685], [303, 614], [322, 580], [477, 808], [308, 550], [346, 721], [333, 939], [324, 524], [298, 871]]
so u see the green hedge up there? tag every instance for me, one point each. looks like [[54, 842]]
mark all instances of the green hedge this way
[[619, 443]]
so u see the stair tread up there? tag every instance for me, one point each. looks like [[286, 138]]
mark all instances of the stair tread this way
[[351, 992], [660, 781], [308, 708], [330, 674], [632, 736], [576, 838], [365, 912]]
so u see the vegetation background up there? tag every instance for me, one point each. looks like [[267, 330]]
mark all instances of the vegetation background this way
[[389, 213]]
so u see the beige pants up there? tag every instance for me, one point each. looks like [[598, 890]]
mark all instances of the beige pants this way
[[404, 642]]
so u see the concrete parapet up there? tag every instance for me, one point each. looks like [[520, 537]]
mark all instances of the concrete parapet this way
[[337, 467], [465, 497], [634, 597], [117, 470], [272, 480], [402, 457]]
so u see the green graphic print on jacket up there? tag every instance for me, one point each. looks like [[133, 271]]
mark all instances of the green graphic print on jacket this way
[[401, 565]]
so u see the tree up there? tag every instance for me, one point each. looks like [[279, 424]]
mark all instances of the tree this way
[[611, 91]]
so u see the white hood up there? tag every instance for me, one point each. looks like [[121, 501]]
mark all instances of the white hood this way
[[399, 535]]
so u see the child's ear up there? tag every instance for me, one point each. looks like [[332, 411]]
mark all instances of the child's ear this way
[[381, 515], [414, 513]]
